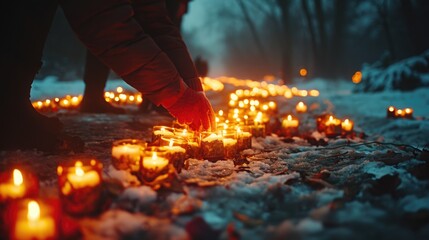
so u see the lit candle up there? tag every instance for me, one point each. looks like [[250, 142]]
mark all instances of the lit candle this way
[[290, 126], [230, 146], [333, 126], [176, 154], [127, 153], [391, 112], [13, 190], [290, 122], [244, 139], [212, 146], [159, 131], [408, 113], [31, 224], [301, 107], [154, 164], [347, 126], [80, 186], [13, 186]]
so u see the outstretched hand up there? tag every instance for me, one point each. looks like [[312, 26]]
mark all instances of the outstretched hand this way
[[194, 109]]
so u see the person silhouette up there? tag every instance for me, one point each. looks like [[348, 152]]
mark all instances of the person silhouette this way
[[110, 29]]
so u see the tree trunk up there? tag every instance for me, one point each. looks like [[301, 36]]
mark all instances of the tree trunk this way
[[321, 60], [312, 33], [287, 43]]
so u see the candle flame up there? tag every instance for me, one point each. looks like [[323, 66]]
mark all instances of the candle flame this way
[[119, 89], [154, 156], [347, 121], [300, 104], [33, 213], [408, 110], [221, 113], [17, 177], [184, 132], [171, 143], [331, 118], [289, 117], [162, 129], [391, 109], [78, 169]]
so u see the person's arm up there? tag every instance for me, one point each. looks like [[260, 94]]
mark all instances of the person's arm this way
[[110, 32], [152, 15]]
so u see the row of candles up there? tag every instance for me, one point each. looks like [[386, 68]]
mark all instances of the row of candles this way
[[393, 112], [119, 97]]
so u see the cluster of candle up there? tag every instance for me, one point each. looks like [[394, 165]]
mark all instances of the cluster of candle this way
[[53, 105], [393, 112], [123, 97], [333, 126], [29, 216], [119, 96]]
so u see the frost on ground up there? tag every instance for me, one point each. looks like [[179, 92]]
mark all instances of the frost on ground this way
[[308, 187]]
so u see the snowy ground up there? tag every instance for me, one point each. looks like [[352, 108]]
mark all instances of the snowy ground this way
[[348, 189]]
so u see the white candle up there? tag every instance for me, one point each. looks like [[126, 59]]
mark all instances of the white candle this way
[[13, 190], [301, 107], [130, 151], [33, 226], [80, 179], [154, 162], [347, 125], [290, 122]]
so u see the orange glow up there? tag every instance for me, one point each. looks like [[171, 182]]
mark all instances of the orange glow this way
[[357, 77], [391, 109], [303, 72]]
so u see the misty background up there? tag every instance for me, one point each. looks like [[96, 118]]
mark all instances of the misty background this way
[[252, 38]]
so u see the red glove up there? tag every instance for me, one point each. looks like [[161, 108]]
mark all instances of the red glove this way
[[193, 108]]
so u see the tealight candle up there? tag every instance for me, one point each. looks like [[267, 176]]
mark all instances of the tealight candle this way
[[80, 186], [159, 131], [333, 126], [15, 185], [244, 138], [408, 113], [154, 164], [301, 107], [230, 146], [391, 112], [34, 222], [175, 153], [347, 126], [127, 153], [212, 146], [290, 126]]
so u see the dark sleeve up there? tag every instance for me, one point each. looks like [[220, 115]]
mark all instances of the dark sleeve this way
[[152, 15], [109, 30]]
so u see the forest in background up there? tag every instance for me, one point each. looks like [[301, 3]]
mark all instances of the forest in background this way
[[330, 38]]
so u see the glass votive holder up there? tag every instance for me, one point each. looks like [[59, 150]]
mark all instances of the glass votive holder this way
[[333, 127], [32, 219], [175, 151], [16, 184], [230, 145], [160, 131], [290, 125], [212, 147], [127, 154], [244, 137], [154, 165], [184, 133], [257, 129], [80, 186]]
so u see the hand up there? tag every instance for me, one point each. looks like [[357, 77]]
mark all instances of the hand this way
[[193, 108]]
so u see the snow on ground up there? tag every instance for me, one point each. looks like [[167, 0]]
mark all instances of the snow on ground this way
[[348, 189]]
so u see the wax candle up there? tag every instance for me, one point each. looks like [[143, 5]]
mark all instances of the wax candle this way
[[127, 153], [408, 113], [333, 126], [212, 147], [391, 112], [80, 186], [175, 154], [244, 138], [290, 126], [15, 185], [153, 164], [159, 131], [230, 146], [347, 125], [301, 107], [32, 224]]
